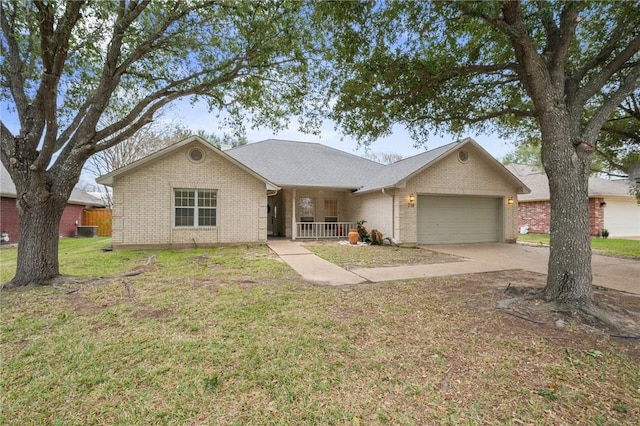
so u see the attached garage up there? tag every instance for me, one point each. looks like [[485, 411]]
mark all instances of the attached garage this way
[[622, 217], [459, 219]]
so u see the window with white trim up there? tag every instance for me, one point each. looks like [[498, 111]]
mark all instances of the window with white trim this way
[[307, 209], [330, 210], [195, 207]]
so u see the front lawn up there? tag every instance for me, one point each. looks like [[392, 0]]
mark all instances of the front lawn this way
[[368, 256], [612, 246], [232, 336]]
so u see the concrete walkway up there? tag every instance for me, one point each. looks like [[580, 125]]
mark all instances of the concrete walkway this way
[[310, 266], [609, 272]]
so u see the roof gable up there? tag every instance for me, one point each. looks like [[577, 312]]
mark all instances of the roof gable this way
[[396, 174], [108, 179]]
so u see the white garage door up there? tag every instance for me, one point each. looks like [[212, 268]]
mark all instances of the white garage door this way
[[455, 219], [622, 218]]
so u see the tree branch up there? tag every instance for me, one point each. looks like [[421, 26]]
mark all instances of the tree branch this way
[[562, 41], [472, 120], [609, 105], [624, 133], [55, 48], [143, 120], [633, 107], [110, 77], [533, 70], [550, 26], [611, 162], [166, 91], [6, 139], [599, 79], [67, 133], [451, 73], [16, 77], [599, 59]]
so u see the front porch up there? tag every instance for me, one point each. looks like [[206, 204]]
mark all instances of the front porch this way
[[317, 230], [310, 213]]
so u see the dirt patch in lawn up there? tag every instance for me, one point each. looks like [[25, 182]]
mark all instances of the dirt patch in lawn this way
[[516, 294], [368, 256]]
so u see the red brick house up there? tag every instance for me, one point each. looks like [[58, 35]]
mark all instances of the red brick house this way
[[71, 218], [612, 206]]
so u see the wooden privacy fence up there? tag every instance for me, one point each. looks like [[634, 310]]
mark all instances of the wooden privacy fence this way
[[100, 218]]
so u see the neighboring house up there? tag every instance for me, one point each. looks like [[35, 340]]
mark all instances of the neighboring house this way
[[71, 217], [192, 194], [612, 206]]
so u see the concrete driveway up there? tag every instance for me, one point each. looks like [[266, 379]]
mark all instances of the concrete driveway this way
[[610, 272]]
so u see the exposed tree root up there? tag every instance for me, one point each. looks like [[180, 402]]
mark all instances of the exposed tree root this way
[[139, 269], [60, 281], [22, 285], [612, 320], [624, 321]]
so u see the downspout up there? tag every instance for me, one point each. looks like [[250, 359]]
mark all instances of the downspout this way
[[293, 215], [393, 214]]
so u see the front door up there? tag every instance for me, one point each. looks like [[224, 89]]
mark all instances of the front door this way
[[271, 214]]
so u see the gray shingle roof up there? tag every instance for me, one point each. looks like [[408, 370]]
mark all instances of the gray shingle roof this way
[[300, 164], [78, 196], [536, 179], [288, 163], [395, 173]]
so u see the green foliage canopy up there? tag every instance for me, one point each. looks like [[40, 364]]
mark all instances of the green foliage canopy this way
[[451, 66], [69, 63]]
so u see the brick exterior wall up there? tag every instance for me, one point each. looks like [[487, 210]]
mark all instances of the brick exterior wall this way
[[596, 216], [143, 210], [537, 216], [71, 217], [9, 221], [378, 209]]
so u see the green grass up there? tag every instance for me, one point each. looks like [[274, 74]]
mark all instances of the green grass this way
[[78, 257], [612, 246], [231, 336]]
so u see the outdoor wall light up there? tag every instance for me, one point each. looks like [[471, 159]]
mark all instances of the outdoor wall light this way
[[603, 204], [412, 201], [510, 200]]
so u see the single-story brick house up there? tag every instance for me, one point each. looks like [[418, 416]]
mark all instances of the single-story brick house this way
[[192, 194], [612, 205], [71, 217]]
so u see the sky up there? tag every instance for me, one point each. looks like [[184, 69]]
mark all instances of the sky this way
[[197, 117]]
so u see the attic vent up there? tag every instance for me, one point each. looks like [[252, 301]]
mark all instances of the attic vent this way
[[196, 155], [463, 156]]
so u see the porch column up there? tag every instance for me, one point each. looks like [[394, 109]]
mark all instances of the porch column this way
[[293, 214]]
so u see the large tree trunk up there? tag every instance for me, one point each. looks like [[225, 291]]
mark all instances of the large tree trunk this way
[[567, 164], [39, 234]]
